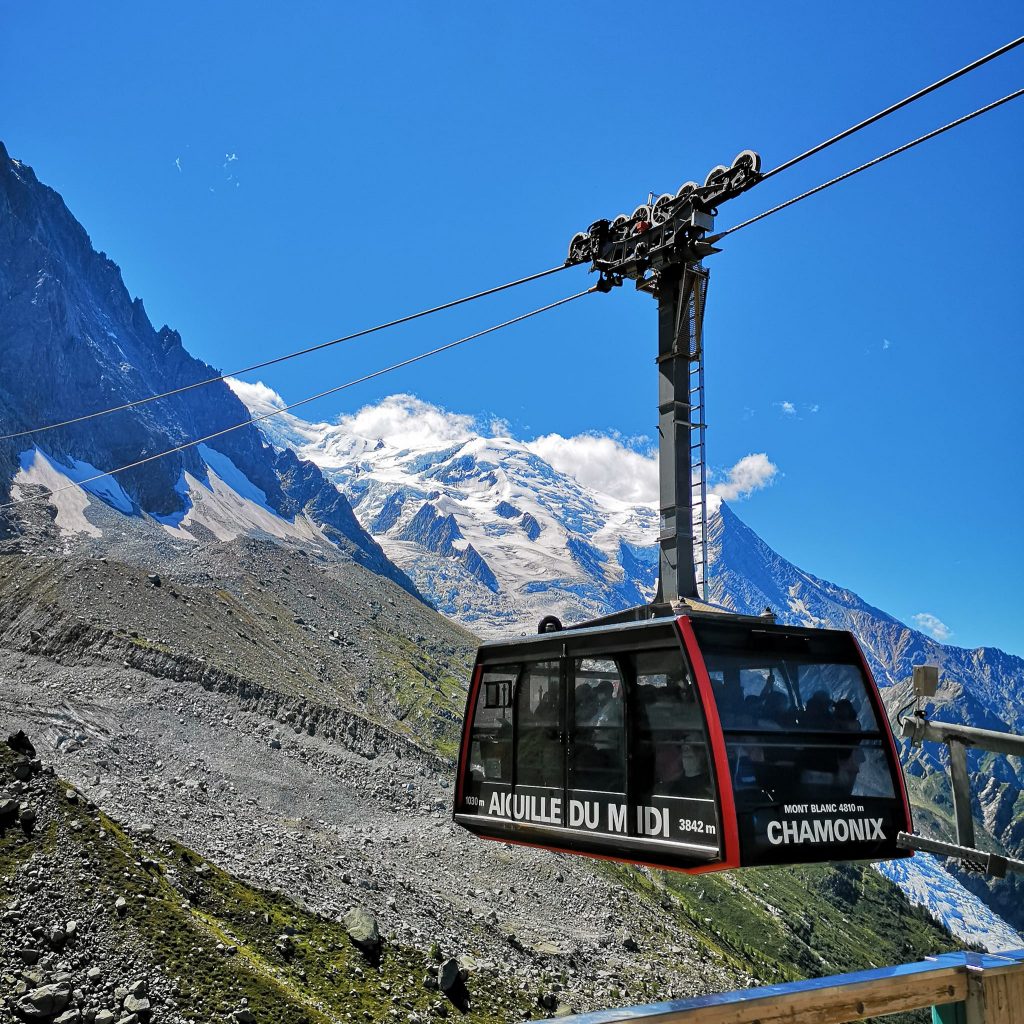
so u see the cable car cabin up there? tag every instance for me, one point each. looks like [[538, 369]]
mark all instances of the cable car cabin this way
[[698, 743]]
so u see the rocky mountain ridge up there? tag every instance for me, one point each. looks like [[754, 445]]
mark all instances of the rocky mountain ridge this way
[[73, 341]]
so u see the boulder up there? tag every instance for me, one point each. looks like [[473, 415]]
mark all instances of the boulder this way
[[44, 1002], [448, 975], [362, 929], [21, 744], [136, 1004]]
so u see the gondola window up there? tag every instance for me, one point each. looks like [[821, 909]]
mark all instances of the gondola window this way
[[491, 754], [540, 757], [598, 759]]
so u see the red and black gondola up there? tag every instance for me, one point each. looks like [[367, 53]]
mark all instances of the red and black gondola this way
[[697, 742]]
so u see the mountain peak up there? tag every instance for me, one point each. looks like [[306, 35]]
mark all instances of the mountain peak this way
[[72, 341]]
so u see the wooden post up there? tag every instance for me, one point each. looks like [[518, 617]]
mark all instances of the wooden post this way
[[995, 995]]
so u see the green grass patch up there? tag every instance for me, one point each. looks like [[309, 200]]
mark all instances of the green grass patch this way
[[222, 939]]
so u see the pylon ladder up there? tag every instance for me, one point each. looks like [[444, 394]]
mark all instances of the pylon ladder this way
[[698, 464]]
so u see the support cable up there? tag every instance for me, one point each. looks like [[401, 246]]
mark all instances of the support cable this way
[[896, 106], [280, 359], [863, 167], [252, 420]]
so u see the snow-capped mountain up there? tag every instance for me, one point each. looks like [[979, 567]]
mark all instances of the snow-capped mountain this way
[[488, 530], [925, 882], [72, 341], [497, 537]]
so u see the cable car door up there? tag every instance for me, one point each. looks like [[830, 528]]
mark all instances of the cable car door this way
[[538, 794]]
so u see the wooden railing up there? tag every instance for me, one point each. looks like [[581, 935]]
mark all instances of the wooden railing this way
[[962, 988]]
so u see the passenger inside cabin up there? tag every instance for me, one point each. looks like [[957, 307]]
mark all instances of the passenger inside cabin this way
[[672, 753], [831, 767]]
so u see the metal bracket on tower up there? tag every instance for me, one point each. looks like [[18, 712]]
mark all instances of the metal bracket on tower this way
[[660, 247]]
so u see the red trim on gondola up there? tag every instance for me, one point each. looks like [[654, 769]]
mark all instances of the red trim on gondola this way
[[883, 719], [620, 858], [467, 725], [726, 801]]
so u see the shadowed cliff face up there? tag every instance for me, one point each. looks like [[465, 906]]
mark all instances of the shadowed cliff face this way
[[72, 341]]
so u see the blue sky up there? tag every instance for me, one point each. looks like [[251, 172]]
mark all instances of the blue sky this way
[[269, 178]]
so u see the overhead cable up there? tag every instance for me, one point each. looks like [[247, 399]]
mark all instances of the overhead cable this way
[[863, 167], [295, 405], [280, 359], [896, 106]]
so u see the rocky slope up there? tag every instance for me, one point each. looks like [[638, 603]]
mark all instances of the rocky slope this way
[[270, 781], [103, 924], [72, 341]]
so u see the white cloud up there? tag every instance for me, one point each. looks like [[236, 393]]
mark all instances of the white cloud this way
[[498, 426], [603, 463], [257, 397], [933, 626], [407, 422], [750, 474], [177, 163], [813, 408], [230, 158], [886, 344], [787, 407], [598, 461]]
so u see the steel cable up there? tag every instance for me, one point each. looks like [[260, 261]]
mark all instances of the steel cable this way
[[295, 405], [863, 167], [890, 110], [280, 359]]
